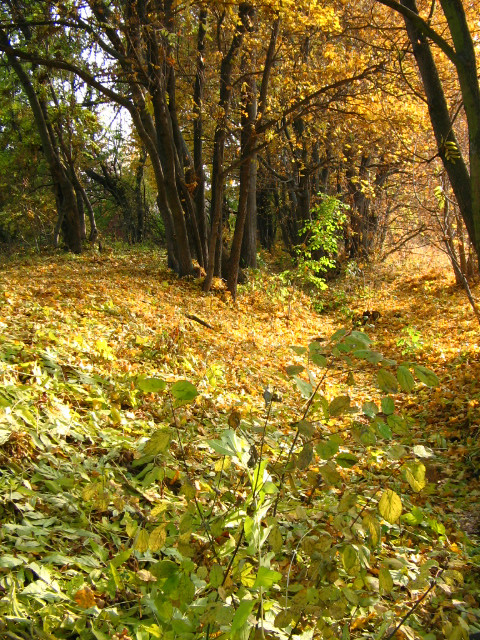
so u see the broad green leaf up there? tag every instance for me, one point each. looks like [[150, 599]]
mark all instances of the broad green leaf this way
[[386, 381], [390, 506], [328, 448], [241, 614], [385, 580], [275, 539], [426, 376], [350, 595], [120, 558], [216, 575], [349, 557], [349, 499], [415, 516], [346, 460], [415, 474], [357, 340], [305, 456], [305, 428], [370, 409], [339, 405], [304, 387], [383, 429], [158, 442], [330, 474], [388, 405], [150, 385], [300, 351], [183, 391], [8, 561], [316, 347], [436, 526], [398, 425], [370, 356], [294, 369], [319, 359], [405, 379], [266, 578]]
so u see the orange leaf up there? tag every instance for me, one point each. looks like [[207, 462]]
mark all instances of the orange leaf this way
[[85, 598]]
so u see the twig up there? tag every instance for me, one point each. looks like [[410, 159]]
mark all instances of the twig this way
[[190, 316], [433, 584]]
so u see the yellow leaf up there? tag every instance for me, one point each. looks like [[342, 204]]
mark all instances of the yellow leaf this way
[[157, 538], [390, 506], [141, 542]]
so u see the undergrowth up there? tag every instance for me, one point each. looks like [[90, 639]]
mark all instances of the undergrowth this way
[[265, 476]]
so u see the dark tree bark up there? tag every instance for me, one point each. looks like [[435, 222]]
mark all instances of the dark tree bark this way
[[245, 12], [465, 180], [199, 175]]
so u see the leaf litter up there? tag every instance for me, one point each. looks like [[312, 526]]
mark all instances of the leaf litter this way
[[260, 475]]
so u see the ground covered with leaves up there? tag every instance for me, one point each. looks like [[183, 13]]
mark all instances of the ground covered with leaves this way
[[173, 465]]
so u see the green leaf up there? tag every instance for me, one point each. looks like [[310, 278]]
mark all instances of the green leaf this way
[[304, 387], [216, 575], [415, 516], [370, 356], [150, 385], [275, 539], [328, 448], [158, 442], [346, 460], [385, 580], [10, 562], [319, 359], [266, 578], [294, 369], [339, 405], [183, 391], [305, 456], [390, 506], [306, 428], [398, 425], [405, 379], [388, 405], [241, 614], [349, 557], [426, 376], [157, 537], [330, 474], [300, 351], [387, 381], [370, 409], [383, 429]]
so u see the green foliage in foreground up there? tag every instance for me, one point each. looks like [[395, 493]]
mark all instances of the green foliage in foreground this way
[[129, 511]]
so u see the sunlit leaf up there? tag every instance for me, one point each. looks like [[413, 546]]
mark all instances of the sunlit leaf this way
[[390, 506], [386, 381]]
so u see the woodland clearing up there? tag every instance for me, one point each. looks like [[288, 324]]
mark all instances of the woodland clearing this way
[[160, 478]]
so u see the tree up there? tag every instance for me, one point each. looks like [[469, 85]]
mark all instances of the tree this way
[[459, 49]]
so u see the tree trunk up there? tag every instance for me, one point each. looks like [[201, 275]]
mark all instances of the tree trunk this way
[[68, 215], [218, 177]]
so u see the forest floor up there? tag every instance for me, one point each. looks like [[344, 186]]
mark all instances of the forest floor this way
[[164, 474]]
